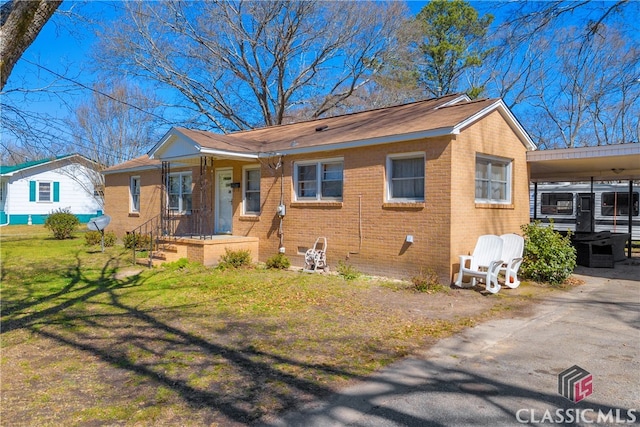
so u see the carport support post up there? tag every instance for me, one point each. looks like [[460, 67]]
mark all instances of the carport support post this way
[[535, 200], [631, 206]]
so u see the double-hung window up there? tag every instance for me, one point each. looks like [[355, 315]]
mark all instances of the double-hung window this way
[[179, 189], [251, 188], [405, 177], [320, 180], [134, 190], [44, 191], [493, 180]]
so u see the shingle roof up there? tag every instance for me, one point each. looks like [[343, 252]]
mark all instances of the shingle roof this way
[[139, 163], [428, 118], [385, 122], [4, 170]]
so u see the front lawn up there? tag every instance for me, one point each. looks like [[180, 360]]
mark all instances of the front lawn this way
[[87, 338]]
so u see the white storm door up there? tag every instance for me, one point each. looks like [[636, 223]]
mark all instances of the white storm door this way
[[224, 201]]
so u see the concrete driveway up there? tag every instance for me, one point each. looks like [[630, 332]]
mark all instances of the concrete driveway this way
[[505, 372]]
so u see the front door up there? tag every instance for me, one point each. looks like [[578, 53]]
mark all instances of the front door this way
[[224, 201], [584, 213]]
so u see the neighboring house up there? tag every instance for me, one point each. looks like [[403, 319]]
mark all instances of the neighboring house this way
[[393, 189], [30, 191]]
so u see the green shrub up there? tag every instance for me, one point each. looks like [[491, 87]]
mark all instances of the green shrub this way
[[279, 261], [62, 223], [93, 238], [548, 255], [427, 281], [235, 259], [139, 241], [347, 271]]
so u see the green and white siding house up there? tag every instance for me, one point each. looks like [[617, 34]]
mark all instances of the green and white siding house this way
[[30, 191]]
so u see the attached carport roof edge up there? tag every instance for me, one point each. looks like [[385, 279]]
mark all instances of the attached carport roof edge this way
[[605, 163]]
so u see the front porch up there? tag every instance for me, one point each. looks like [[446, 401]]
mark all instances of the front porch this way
[[206, 251]]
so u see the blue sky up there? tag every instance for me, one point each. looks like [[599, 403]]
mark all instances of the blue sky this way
[[65, 44]]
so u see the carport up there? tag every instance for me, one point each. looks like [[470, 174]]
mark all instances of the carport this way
[[619, 162]]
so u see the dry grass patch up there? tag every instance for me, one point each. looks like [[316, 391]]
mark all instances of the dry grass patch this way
[[86, 339]]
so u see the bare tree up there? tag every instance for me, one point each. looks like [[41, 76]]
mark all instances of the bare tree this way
[[566, 68], [242, 64], [20, 24], [115, 125], [585, 96]]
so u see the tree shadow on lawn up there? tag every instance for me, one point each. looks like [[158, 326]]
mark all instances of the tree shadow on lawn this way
[[89, 315]]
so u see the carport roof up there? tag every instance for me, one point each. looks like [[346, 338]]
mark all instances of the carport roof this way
[[603, 163]]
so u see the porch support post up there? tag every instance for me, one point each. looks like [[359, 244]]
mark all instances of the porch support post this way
[[202, 221], [164, 195]]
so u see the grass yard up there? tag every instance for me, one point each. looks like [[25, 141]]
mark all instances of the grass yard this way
[[89, 339]]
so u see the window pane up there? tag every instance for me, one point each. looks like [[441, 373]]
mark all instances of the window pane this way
[[407, 178], [332, 179], [307, 173], [186, 184], [253, 179], [498, 172], [252, 202], [332, 189], [407, 168], [174, 184], [174, 202], [482, 169], [44, 191], [332, 171], [482, 189], [186, 203], [307, 189], [498, 191], [618, 204], [307, 185], [557, 204]]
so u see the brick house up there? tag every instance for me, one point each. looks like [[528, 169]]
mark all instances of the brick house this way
[[392, 189]]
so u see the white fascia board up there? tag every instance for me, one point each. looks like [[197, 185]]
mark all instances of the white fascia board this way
[[510, 118], [39, 165], [229, 154], [371, 141], [171, 132], [585, 152]]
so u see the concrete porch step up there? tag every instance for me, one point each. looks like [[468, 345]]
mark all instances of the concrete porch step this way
[[158, 258]]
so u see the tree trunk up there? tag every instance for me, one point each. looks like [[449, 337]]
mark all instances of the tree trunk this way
[[20, 23]]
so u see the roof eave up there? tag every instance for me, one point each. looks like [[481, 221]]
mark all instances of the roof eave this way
[[506, 113]]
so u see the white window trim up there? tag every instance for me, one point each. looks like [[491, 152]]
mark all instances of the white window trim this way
[[509, 178], [389, 172], [318, 163], [180, 210], [50, 191], [132, 207], [245, 169]]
